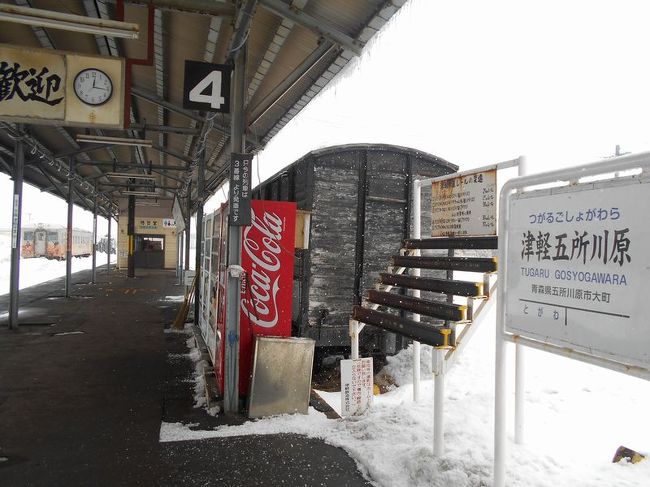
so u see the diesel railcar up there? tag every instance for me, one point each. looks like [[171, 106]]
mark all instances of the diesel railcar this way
[[50, 241]]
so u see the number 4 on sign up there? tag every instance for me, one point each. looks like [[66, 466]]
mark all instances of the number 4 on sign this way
[[214, 98]]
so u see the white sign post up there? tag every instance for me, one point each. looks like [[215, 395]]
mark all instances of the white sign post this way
[[356, 386], [574, 266]]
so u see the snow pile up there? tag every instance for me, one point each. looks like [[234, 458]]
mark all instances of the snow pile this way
[[577, 415], [37, 270]]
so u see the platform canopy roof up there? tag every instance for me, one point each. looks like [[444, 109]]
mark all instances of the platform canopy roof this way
[[295, 48]]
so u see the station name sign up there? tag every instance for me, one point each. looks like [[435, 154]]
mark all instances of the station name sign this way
[[57, 88], [465, 204], [579, 267]]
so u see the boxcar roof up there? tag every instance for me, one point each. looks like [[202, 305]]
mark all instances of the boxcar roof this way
[[362, 146]]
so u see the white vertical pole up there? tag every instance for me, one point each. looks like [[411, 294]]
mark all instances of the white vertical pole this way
[[520, 369], [354, 339], [500, 372], [438, 403], [416, 233]]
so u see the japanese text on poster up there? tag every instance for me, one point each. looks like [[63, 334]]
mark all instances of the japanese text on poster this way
[[240, 189], [464, 205], [356, 386]]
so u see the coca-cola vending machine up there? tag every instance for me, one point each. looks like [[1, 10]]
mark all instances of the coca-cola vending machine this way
[[267, 258]]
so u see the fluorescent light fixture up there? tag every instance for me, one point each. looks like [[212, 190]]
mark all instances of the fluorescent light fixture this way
[[126, 175], [76, 23], [146, 203], [103, 139], [141, 193]]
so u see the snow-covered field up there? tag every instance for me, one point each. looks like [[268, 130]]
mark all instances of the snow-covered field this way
[[577, 415], [35, 271]]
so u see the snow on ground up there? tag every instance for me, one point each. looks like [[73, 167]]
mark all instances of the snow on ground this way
[[37, 270], [576, 417]]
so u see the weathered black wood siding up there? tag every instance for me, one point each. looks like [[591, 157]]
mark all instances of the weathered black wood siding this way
[[327, 183], [332, 245]]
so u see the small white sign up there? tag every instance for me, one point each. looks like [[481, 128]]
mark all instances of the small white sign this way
[[168, 223], [464, 204], [14, 223], [356, 386], [578, 268]]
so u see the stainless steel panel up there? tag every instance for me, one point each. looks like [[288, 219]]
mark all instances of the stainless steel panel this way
[[281, 381]]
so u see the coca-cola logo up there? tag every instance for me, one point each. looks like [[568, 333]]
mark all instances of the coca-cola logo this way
[[262, 245]]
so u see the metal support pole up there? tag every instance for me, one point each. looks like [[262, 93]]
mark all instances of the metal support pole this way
[[501, 350], [131, 236], [181, 243], [438, 404], [16, 231], [109, 247], [199, 236], [231, 386], [415, 233], [520, 370], [94, 265], [187, 227], [68, 253]]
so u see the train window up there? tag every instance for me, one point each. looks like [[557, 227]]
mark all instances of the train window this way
[[29, 236], [52, 236]]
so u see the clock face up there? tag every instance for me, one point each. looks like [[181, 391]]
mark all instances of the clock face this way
[[93, 87]]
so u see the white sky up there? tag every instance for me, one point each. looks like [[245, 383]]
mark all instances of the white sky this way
[[474, 82]]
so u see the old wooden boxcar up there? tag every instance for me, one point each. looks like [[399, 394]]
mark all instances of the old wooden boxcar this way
[[356, 200]]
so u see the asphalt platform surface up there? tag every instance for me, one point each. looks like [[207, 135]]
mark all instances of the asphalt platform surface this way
[[86, 381]]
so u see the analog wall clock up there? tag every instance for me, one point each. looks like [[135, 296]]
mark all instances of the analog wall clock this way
[[93, 86]]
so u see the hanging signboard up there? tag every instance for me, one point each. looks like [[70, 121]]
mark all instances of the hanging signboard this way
[[207, 86], [356, 386], [177, 212], [240, 189], [578, 268], [266, 291], [58, 88], [464, 204]]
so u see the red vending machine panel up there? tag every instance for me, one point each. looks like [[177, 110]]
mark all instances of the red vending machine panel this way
[[266, 291], [268, 247]]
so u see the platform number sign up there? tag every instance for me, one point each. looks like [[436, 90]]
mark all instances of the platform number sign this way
[[207, 87]]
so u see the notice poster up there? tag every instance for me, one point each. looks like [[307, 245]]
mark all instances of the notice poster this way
[[577, 268], [356, 386], [464, 205], [266, 290]]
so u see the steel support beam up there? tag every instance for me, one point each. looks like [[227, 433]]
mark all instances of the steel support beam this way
[[130, 165], [131, 237], [200, 179], [290, 81], [109, 247], [81, 150], [165, 129], [187, 228], [16, 231], [231, 376], [94, 265], [319, 26], [207, 7], [172, 153], [68, 244], [136, 185], [155, 99]]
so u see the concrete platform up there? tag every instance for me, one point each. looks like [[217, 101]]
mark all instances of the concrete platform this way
[[86, 381]]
